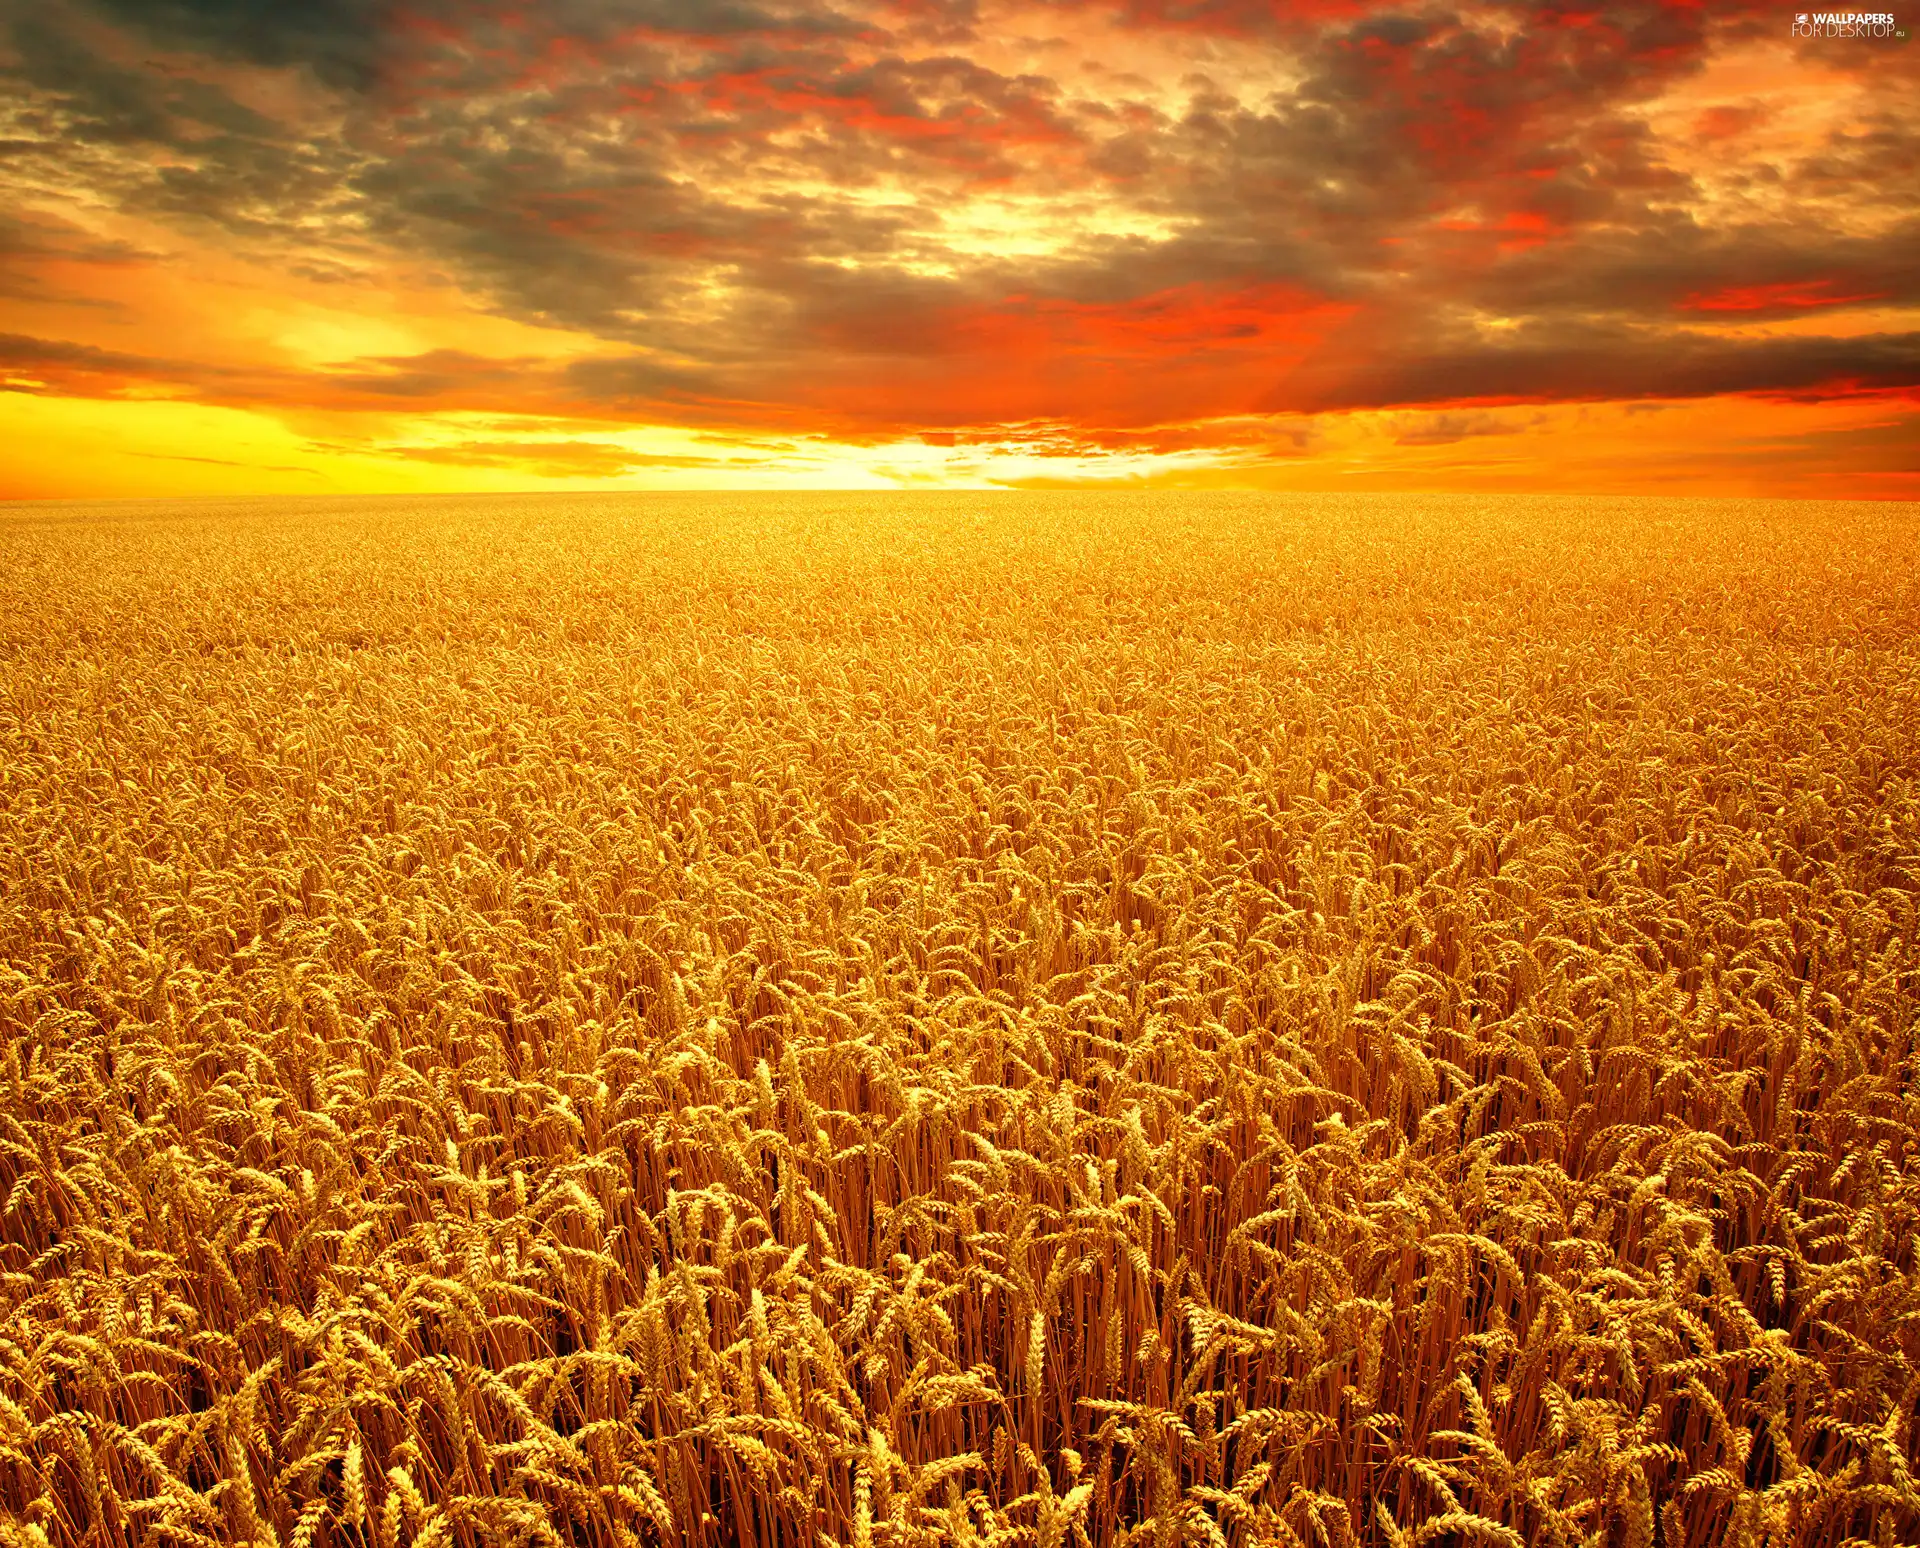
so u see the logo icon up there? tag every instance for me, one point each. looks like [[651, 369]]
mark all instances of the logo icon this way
[[1848, 24]]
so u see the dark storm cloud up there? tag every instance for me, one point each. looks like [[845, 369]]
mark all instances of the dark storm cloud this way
[[1402, 117], [350, 43], [339, 40], [1672, 264], [162, 141], [1595, 367], [104, 100], [612, 232]]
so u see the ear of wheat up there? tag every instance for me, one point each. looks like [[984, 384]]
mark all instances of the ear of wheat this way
[[1246, 1021]]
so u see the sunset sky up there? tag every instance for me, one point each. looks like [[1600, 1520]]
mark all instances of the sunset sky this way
[[258, 247]]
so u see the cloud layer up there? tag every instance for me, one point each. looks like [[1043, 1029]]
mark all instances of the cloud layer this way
[[1040, 222]]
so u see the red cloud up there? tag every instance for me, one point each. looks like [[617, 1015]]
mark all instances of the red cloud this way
[[1729, 120], [1193, 351], [1785, 296]]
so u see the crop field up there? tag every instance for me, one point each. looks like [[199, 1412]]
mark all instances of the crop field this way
[[1045, 1020]]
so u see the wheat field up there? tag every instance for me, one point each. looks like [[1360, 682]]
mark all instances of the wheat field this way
[[995, 1019]]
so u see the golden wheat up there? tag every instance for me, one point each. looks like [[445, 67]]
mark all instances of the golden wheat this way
[[1068, 1020]]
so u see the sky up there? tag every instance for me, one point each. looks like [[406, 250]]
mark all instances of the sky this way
[[251, 247]]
